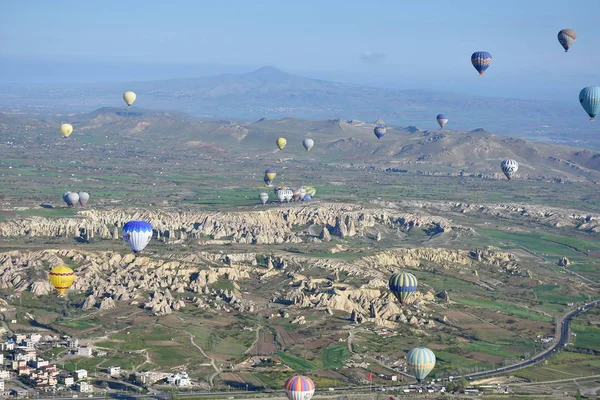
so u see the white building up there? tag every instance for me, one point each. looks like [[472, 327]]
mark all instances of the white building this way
[[84, 387], [84, 351], [4, 374], [181, 379], [35, 337], [39, 363], [7, 346], [67, 380], [113, 371], [1, 359], [73, 343], [80, 374], [2, 386]]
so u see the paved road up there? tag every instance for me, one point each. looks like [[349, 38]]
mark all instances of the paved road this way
[[563, 336]]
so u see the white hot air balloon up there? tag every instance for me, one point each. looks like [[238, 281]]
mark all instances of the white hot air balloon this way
[[129, 98], [281, 195], [308, 144], [288, 194], [83, 198], [137, 234], [71, 198], [509, 167], [264, 197]]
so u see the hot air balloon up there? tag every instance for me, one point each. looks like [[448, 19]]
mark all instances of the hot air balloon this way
[[263, 197], [403, 285], [302, 193], [83, 198], [566, 38], [281, 142], [61, 277], [308, 144], [129, 98], [296, 194], [270, 175], [299, 388], [288, 194], [310, 190], [589, 97], [509, 167], [307, 198], [421, 361], [66, 130], [442, 119], [137, 234], [380, 131], [481, 60], [280, 195], [71, 198]]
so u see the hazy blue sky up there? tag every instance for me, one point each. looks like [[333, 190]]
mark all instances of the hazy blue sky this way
[[406, 44]]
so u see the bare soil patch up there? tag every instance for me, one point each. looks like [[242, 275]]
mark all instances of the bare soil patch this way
[[285, 338], [266, 344]]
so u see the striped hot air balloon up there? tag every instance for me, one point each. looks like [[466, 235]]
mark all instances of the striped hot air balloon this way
[[137, 234], [402, 286], [509, 167], [589, 98], [299, 388], [481, 60], [61, 277], [421, 361]]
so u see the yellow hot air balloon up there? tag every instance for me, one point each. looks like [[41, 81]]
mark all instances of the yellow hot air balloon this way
[[281, 142], [129, 98], [61, 277], [66, 130]]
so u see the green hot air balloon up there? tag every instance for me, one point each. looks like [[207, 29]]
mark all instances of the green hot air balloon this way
[[421, 361], [403, 285]]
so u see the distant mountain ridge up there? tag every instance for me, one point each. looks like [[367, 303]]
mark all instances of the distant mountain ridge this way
[[269, 92]]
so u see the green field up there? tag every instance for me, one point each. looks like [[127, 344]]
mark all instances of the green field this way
[[545, 243], [296, 363], [510, 309], [334, 356]]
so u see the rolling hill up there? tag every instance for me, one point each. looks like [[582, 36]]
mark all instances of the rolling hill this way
[[337, 142]]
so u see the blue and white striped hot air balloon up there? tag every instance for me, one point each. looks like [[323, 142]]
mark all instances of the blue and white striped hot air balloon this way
[[442, 119], [421, 361], [509, 167], [402, 286], [589, 97], [137, 234], [481, 60]]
